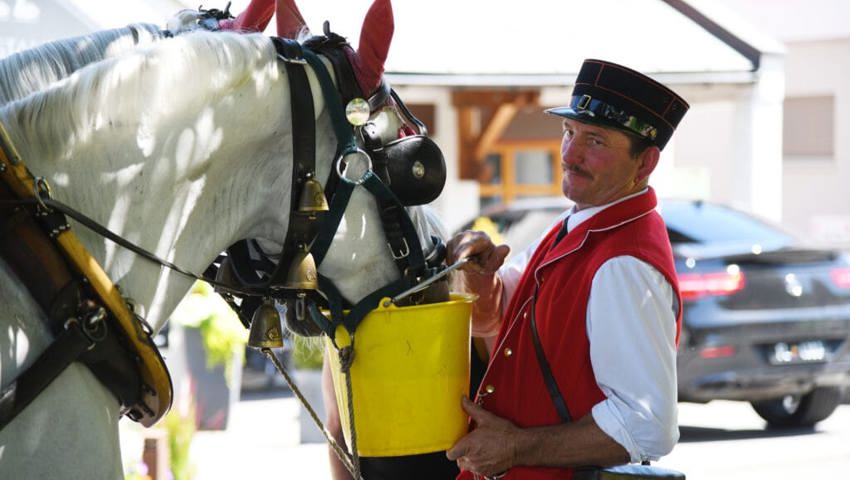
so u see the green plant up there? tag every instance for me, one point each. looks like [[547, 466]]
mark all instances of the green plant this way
[[180, 426], [221, 331]]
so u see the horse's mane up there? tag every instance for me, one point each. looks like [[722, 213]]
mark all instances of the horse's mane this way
[[135, 90], [31, 70]]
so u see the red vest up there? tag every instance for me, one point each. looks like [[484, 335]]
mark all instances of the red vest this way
[[564, 273]]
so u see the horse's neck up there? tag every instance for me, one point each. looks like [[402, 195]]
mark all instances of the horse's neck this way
[[32, 70], [183, 173]]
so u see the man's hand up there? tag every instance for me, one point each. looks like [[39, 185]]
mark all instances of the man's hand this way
[[487, 256], [489, 449]]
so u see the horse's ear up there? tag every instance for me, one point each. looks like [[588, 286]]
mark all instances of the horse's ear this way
[[290, 23], [254, 19], [375, 37]]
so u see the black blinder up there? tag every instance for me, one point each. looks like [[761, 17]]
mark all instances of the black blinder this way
[[413, 168]]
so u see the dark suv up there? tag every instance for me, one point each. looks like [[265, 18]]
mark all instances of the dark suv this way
[[765, 320]]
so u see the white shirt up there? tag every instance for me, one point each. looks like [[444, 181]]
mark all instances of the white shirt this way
[[632, 330]]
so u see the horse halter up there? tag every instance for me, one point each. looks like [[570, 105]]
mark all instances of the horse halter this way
[[412, 166], [406, 171]]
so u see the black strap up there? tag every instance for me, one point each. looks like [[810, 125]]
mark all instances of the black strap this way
[[117, 239], [66, 349], [551, 384], [300, 229]]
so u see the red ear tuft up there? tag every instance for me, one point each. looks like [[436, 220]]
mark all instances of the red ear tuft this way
[[290, 23], [254, 18], [375, 37]]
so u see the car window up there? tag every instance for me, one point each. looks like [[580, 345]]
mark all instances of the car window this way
[[700, 222]]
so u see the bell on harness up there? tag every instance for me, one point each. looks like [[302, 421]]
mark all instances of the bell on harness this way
[[302, 273], [265, 326], [312, 200]]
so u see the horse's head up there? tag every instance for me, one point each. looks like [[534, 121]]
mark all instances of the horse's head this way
[[384, 162]]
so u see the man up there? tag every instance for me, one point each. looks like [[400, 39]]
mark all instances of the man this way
[[601, 290]]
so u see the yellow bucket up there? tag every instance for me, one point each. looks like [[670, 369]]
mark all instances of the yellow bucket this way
[[410, 370]]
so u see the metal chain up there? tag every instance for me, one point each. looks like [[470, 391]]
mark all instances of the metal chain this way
[[344, 457]]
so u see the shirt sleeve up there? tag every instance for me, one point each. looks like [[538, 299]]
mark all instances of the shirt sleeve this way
[[632, 332]]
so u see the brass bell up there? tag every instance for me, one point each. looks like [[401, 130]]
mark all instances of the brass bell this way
[[302, 272], [312, 198], [265, 326]]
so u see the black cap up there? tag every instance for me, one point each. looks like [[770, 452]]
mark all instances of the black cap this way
[[611, 95]]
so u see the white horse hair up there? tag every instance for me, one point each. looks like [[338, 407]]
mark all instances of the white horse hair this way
[[182, 147], [31, 70]]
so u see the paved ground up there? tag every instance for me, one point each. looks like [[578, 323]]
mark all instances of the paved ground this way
[[262, 440], [720, 441]]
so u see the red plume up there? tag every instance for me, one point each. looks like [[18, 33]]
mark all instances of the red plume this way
[[375, 37], [289, 20], [255, 18]]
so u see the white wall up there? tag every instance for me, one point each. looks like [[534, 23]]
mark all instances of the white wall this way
[[817, 191]]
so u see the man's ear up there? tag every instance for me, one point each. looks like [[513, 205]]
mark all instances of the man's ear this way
[[648, 161]]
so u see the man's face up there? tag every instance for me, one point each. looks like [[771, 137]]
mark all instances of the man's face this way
[[598, 165]]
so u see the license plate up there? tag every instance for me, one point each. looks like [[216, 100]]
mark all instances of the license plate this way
[[785, 353]]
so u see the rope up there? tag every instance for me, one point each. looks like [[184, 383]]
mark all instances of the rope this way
[[346, 359], [340, 452]]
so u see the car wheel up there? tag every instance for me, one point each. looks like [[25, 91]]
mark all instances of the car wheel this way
[[795, 411]]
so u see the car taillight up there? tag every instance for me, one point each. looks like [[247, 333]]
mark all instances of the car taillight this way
[[840, 277], [707, 284], [718, 351]]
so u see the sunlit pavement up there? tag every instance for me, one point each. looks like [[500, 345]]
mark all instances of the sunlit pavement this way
[[720, 440], [262, 440], [728, 441]]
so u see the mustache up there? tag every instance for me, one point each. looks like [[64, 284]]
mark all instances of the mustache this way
[[575, 170]]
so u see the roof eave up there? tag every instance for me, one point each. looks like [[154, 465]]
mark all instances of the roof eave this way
[[556, 80]]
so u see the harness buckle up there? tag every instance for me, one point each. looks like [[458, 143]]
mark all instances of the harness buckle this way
[[297, 61], [41, 189], [404, 251]]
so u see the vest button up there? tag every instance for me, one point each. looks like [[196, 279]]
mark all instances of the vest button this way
[[489, 389], [508, 352]]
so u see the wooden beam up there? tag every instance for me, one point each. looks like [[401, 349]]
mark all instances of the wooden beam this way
[[500, 120], [467, 138], [486, 98], [474, 143]]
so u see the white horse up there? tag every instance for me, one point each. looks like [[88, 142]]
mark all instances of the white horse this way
[[182, 147]]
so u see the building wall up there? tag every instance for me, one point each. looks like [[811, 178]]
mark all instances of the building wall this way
[[817, 197]]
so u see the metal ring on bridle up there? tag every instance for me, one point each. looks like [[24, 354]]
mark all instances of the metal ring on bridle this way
[[339, 169]]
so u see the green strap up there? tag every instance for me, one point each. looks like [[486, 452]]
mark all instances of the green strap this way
[[377, 188]]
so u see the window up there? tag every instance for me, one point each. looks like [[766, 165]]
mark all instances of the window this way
[[521, 168], [808, 127]]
